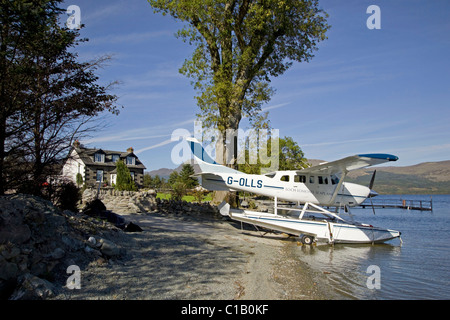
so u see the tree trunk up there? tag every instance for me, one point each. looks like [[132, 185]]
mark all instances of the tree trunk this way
[[2, 153], [226, 154]]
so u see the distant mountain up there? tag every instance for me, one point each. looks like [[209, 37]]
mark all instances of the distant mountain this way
[[162, 173], [423, 178], [165, 173]]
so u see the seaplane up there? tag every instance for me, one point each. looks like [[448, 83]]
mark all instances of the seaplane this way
[[312, 189]]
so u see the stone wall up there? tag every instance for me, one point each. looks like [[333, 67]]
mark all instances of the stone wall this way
[[137, 202], [123, 202]]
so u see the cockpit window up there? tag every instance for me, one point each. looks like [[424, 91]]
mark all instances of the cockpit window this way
[[334, 179], [270, 175], [285, 178]]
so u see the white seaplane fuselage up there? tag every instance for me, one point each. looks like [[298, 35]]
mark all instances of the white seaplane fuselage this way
[[291, 186]]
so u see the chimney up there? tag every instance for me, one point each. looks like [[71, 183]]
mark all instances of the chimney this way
[[130, 150], [76, 144]]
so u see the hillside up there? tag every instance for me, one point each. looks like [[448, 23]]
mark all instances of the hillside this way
[[165, 173], [424, 178]]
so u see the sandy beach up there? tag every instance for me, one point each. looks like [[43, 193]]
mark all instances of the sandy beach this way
[[199, 258]]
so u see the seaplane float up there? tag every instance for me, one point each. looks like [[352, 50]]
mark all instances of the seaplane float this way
[[313, 189]]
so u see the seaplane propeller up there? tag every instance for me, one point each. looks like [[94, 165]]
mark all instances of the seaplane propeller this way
[[372, 193]]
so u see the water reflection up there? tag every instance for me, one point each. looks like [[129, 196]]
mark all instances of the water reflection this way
[[345, 267]]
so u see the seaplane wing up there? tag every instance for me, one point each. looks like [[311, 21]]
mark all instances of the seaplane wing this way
[[349, 163]]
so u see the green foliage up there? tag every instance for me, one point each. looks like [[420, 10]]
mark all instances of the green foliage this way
[[239, 46], [199, 195], [173, 178], [79, 179], [157, 182], [291, 157], [147, 181], [178, 191], [186, 176], [67, 196], [124, 182], [47, 96]]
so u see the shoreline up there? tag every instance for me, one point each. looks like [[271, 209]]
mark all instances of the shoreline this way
[[182, 257]]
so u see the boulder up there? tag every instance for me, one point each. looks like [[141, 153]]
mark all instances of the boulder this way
[[132, 227], [32, 288], [109, 248]]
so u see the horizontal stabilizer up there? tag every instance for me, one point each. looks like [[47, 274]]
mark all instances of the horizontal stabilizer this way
[[212, 181]]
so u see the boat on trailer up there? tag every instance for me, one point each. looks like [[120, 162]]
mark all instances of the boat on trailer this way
[[312, 224]]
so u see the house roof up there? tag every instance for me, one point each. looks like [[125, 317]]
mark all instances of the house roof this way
[[87, 156]]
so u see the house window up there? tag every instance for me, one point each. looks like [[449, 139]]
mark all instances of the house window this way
[[99, 175], [132, 175], [99, 157], [115, 158], [131, 160]]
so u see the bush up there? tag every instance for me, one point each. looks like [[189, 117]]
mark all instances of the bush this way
[[79, 180], [178, 191], [124, 182], [67, 196], [198, 195]]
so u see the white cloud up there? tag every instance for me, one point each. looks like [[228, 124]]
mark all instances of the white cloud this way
[[134, 37], [165, 142]]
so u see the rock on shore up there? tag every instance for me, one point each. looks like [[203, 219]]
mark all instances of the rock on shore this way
[[38, 242]]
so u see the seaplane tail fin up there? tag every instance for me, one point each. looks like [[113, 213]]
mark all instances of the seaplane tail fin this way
[[206, 164]]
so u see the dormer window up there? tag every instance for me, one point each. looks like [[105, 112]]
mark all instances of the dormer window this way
[[99, 157], [131, 161], [115, 158]]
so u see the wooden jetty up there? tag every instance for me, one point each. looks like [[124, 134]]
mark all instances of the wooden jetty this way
[[422, 205]]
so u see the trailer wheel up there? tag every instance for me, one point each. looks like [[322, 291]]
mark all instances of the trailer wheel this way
[[307, 240]]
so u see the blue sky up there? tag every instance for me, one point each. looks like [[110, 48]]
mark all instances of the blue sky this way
[[365, 91]]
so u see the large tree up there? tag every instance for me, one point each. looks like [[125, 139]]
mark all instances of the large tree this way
[[46, 95], [239, 46]]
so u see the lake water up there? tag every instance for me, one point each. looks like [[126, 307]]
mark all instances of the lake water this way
[[418, 268]]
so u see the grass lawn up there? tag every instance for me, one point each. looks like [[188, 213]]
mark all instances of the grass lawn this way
[[167, 196]]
